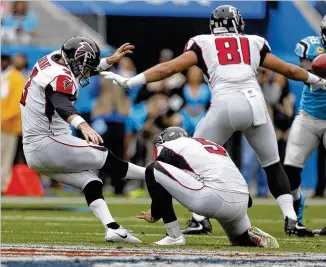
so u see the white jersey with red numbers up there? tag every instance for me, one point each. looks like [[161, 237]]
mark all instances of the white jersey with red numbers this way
[[207, 161], [229, 61], [39, 117]]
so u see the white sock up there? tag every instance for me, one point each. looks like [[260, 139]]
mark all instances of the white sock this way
[[296, 194], [135, 172], [101, 211], [173, 229], [198, 218], [286, 204]]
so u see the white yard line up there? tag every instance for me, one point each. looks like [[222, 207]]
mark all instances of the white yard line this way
[[296, 240], [120, 219]]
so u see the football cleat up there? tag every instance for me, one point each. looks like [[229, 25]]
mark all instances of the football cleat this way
[[320, 232], [298, 208], [262, 239], [295, 228], [120, 235], [197, 228], [170, 241]]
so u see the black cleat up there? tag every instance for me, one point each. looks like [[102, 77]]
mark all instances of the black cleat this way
[[197, 228], [320, 232], [292, 227]]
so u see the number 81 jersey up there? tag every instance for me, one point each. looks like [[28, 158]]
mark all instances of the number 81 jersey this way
[[229, 61]]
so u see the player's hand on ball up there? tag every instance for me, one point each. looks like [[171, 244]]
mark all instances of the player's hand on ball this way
[[146, 216], [90, 134], [321, 84], [116, 78]]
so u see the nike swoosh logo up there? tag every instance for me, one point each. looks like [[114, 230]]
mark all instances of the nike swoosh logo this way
[[199, 227], [122, 236]]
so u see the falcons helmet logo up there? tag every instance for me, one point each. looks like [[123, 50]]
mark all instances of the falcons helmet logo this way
[[85, 50]]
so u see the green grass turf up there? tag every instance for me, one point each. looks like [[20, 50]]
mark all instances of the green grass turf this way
[[44, 227]]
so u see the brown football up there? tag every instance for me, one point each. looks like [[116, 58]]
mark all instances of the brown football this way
[[319, 66]]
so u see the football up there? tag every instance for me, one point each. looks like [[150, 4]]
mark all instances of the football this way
[[319, 66]]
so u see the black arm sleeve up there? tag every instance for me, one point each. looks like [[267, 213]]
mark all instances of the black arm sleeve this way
[[201, 61], [170, 157], [265, 49], [61, 103]]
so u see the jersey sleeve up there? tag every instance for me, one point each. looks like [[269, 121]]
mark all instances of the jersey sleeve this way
[[309, 47], [195, 44], [63, 84], [264, 48]]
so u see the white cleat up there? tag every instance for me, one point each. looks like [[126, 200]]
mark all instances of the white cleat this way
[[120, 235], [262, 239], [170, 241]]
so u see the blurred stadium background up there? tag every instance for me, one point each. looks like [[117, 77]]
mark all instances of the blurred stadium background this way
[[129, 121]]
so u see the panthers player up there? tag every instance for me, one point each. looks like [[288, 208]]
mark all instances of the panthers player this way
[[47, 114], [200, 175], [229, 59], [309, 126]]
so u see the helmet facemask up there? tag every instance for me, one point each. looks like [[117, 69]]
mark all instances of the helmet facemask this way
[[83, 63]]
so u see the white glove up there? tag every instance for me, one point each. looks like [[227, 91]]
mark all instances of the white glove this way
[[320, 84], [116, 78]]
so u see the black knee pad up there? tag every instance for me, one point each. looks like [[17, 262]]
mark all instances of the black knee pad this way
[[294, 174], [115, 167], [93, 191]]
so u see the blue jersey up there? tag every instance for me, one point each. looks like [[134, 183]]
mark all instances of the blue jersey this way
[[314, 103]]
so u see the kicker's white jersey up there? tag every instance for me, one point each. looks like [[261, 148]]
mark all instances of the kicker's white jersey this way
[[229, 61], [209, 162], [39, 117]]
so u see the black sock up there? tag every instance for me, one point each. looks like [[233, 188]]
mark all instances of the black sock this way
[[162, 206], [244, 240], [115, 167], [278, 182], [294, 174], [113, 225]]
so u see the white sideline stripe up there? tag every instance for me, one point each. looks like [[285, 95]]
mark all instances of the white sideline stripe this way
[[120, 219], [296, 240], [179, 251]]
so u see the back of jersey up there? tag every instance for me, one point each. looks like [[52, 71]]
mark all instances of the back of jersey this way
[[209, 161], [229, 61]]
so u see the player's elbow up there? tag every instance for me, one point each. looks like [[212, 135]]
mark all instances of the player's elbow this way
[[293, 72]]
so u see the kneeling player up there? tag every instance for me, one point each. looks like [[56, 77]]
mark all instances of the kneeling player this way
[[201, 176]]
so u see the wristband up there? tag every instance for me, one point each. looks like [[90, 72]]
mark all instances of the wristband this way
[[137, 80], [76, 121], [312, 78], [104, 65]]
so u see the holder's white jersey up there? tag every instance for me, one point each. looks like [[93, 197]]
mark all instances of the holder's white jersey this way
[[229, 61], [207, 161], [39, 117]]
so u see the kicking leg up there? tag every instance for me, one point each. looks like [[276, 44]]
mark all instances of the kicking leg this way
[[92, 188]]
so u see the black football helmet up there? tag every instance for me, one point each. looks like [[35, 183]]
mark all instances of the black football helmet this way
[[82, 56], [225, 19], [170, 134], [323, 30]]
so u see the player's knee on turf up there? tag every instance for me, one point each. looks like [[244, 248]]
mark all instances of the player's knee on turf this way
[[93, 191]]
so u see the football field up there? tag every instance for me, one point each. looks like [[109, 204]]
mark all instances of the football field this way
[[64, 232]]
